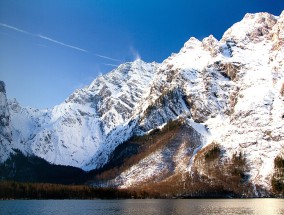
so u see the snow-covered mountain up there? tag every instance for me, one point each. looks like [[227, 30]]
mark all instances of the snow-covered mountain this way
[[74, 131], [232, 91], [229, 92]]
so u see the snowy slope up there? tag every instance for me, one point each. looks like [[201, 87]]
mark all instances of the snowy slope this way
[[230, 87], [229, 91], [74, 131], [256, 123]]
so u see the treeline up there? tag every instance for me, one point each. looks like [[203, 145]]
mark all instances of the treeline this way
[[34, 169], [277, 180], [134, 150], [212, 176], [16, 190]]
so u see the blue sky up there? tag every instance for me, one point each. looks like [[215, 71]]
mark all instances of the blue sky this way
[[49, 48]]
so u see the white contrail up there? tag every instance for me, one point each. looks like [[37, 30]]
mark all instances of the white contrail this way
[[56, 41], [43, 37], [60, 43], [109, 58], [14, 28]]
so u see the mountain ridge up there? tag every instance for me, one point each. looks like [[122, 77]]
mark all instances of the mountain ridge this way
[[229, 92]]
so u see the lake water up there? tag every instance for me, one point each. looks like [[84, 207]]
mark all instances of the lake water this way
[[145, 207]]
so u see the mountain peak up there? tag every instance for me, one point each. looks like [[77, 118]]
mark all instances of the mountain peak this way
[[139, 60], [282, 14], [251, 28], [211, 44], [191, 43]]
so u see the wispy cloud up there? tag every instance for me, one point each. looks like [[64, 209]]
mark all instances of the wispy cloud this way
[[135, 53], [57, 42]]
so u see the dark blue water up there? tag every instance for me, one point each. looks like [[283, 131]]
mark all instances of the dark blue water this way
[[145, 207]]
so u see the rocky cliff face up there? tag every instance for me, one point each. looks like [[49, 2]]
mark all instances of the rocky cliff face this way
[[5, 125], [228, 92]]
